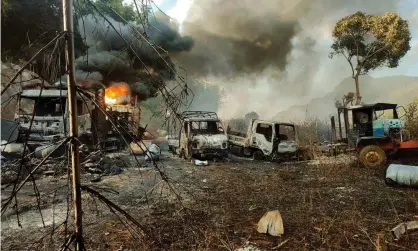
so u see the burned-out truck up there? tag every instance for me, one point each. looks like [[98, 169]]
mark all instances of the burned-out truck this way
[[264, 139], [41, 120], [201, 136]]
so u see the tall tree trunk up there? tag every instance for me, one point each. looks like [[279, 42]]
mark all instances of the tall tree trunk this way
[[358, 97]]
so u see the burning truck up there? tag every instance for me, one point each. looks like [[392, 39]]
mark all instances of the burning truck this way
[[106, 119], [120, 123]]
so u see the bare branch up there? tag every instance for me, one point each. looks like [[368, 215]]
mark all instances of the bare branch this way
[[377, 51], [120, 210], [349, 61]]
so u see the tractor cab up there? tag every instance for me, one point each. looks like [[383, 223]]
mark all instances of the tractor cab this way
[[375, 120], [376, 131], [371, 121]]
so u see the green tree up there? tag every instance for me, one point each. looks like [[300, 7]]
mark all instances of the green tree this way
[[127, 11], [368, 42], [5, 7], [346, 100]]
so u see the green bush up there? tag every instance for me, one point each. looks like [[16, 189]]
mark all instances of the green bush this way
[[411, 118]]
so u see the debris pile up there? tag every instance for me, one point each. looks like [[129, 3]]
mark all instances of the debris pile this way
[[10, 169], [98, 163]]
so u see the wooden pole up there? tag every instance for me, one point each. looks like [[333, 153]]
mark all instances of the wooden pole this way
[[339, 124], [334, 132], [72, 110]]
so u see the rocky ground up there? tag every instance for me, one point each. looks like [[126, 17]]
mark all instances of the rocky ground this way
[[328, 204]]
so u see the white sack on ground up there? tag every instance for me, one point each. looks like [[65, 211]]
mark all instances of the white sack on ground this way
[[153, 152], [403, 175]]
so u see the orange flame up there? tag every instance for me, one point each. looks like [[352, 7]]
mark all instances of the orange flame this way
[[117, 93]]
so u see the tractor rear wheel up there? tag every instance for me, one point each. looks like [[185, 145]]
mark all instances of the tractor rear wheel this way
[[372, 156]]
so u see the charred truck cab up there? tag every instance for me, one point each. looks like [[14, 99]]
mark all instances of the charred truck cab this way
[[202, 136], [41, 119], [265, 139]]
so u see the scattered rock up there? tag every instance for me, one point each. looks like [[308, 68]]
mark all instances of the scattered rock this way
[[271, 223]]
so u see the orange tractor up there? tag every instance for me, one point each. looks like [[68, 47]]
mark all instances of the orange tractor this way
[[376, 132]]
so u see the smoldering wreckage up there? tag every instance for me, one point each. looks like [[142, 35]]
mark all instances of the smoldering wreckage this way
[[199, 136], [112, 138]]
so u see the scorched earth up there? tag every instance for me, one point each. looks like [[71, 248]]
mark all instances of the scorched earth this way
[[329, 204]]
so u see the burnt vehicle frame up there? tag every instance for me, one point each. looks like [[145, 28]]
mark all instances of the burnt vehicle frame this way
[[265, 139], [41, 120], [201, 135]]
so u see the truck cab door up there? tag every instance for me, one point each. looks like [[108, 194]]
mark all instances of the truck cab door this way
[[263, 137], [184, 139], [183, 136]]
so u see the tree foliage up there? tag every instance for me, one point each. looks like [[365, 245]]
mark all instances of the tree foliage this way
[[27, 25], [128, 12], [369, 42], [5, 7], [347, 99]]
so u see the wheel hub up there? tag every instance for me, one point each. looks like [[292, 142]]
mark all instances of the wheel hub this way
[[372, 157]]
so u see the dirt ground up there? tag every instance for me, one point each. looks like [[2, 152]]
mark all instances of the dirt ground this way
[[324, 205]]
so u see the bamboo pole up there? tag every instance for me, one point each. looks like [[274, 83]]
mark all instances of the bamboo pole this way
[[72, 110]]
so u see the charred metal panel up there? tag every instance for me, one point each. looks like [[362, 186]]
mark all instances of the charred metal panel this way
[[9, 130]]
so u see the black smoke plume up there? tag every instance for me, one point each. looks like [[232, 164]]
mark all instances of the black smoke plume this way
[[135, 63]]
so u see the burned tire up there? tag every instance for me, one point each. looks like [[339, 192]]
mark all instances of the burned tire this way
[[372, 156]]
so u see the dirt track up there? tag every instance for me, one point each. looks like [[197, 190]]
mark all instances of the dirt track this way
[[325, 206]]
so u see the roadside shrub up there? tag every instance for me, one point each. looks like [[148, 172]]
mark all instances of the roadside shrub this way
[[411, 118], [312, 130]]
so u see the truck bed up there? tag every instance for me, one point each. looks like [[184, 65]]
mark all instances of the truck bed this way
[[237, 138]]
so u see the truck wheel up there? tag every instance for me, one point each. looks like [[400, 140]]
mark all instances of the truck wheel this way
[[258, 155], [372, 156]]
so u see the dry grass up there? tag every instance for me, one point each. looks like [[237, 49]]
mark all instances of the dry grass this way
[[324, 207]]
